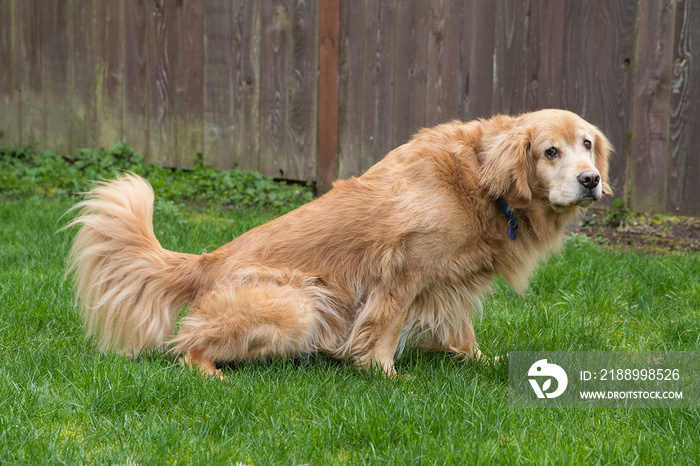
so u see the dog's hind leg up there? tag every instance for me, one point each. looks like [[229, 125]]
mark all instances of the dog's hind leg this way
[[244, 321], [462, 342], [377, 330], [194, 359]]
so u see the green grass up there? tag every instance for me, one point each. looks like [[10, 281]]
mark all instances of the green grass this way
[[63, 402]]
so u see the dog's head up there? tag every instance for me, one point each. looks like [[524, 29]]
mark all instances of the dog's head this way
[[551, 155]]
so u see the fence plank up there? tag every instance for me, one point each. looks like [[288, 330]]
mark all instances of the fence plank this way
[[350, 91], [651, 105], [32, 51], [612, 102], [478, 43], [137, 76], [444, 84], [411, 75], [302, 92], [274, 69], [189, 82], [377, 105], [83, 111], [58, 72], [163, 61], [581, 43], [218, 87], [109, 90], [10, 132], [329, 63], [246, 86], [510, 79], [684, 171], [545, 54]]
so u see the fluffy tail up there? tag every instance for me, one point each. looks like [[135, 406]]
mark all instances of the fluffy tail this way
[[130, 289]]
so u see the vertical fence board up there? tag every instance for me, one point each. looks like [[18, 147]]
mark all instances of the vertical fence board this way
[[511, 57], [83, 111], [218, 87], [651, 105], [10, 76], [189, 83], [58, 76], [478, 43], [329, 65], [411, 76], [611, 104], [545, 54], [377, 105], [109, 91], [302, 92], [582, 46], [274, 65], [444, 79], [136, 116], [350, 88], [683, 188], [163, 62], [246, 85], [32, 48]]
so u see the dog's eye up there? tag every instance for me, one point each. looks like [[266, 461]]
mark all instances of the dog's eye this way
[[551, 153], [587, 144]]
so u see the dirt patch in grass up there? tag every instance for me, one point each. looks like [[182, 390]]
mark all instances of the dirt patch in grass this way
[[656, 234]]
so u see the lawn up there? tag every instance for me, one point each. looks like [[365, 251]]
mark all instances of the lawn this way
[[61, 401]]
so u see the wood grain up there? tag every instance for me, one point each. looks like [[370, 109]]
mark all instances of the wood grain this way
[[411, 69], [189, 81], [246, 86], [611, 104], [239, 80], [350, 91], [218, 87], [444, 79], [478, 43], [511, 57], [683, 192], [83, 109], [109, 91], [329, 64], [303, 92], [377, 105], [163, 62], [581, 56], [275, 61], [59, 73], [545, 53], [10, 132], [137, 89], [651, 106], [32, 52]]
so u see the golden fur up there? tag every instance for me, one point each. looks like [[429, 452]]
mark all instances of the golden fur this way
[[401, 255]]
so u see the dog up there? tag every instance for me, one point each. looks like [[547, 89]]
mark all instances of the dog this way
[[400, 256]]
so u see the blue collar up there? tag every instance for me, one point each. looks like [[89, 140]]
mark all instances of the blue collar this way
[[512, 219]]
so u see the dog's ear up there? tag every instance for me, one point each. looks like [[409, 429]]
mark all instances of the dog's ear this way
[[505, 164], [602, 151]]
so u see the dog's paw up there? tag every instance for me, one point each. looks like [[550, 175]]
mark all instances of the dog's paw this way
[[206, 367]]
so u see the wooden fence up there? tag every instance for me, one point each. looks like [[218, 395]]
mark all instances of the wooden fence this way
[[316, 89]]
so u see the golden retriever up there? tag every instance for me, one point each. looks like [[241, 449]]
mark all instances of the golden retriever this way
[[401, 255]]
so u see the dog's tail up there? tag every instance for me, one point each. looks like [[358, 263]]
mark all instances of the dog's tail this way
[[130, 289]]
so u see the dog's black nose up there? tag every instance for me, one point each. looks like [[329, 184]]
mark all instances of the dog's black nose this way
[[589, 179]]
